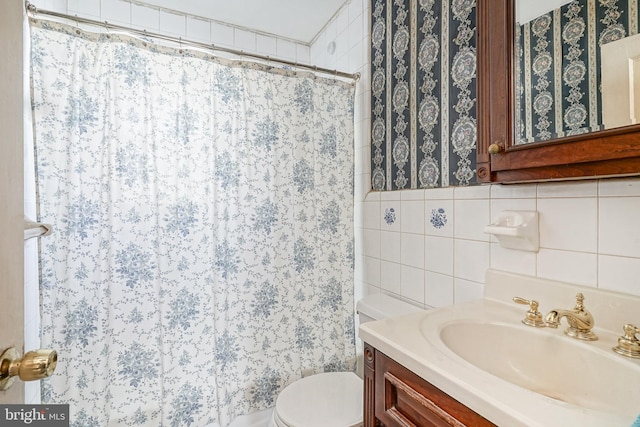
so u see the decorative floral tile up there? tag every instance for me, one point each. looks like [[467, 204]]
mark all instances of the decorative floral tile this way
[[390, 216], [438, 218]]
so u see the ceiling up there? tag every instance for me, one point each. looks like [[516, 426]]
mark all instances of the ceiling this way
[[298, 20]]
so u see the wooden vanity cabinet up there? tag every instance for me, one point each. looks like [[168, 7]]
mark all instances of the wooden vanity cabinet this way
[[396, 397]]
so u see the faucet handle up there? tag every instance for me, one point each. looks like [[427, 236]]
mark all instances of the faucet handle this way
[[533, 316], [628, 344]]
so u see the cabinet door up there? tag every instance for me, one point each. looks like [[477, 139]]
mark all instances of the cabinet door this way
[[403, 399]]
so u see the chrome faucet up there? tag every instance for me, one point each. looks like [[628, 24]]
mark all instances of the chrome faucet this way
[[579, 319]]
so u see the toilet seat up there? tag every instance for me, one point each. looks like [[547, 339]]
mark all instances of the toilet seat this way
[[331, 399]]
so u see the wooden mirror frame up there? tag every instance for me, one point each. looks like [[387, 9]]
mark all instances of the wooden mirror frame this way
[[606, 153]]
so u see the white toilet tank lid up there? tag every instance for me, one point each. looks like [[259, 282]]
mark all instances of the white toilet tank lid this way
[[321, 400], [381, 306]]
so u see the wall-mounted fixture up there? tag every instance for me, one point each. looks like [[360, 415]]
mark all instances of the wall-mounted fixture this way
[[34, 365], [628, 344], [533, 316], [331, 47], [579, 318], [516, 230]]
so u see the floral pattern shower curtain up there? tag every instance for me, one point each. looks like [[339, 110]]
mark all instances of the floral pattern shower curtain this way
[[203, 214]]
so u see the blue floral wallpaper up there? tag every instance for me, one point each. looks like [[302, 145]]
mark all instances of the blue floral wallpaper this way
[[559, 66], [423, 68]]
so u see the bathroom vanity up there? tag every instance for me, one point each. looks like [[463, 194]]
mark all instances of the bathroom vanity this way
[[478, 364], [397, 397]]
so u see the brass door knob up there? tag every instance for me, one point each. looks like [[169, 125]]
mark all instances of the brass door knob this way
[[34, 365]]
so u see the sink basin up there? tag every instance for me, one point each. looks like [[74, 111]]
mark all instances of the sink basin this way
[[548, 363], [480, 353]]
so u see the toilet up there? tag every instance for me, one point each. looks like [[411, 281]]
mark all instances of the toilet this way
[[333, 399]]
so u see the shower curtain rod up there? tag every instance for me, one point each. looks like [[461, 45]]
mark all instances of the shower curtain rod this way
[[33, 10]]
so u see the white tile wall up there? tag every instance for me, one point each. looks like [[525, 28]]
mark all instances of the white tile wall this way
[[222, 35], [617, 240], [568, 266], [466, 290], [439, 255], [372, 270], [513, 261], [266, 45], [470, 217], [568, 190], [245, 40], [145, 18], [390, 246], [390, 274], [619, 187], [173, 24], [115, 11], [412, 216], [590, 236], [438, 289], [412, 283], [371, 243], [89, 9], [619, 274], [470, 259], [198, 29], [286, 50], [412, 250], [569, 223]]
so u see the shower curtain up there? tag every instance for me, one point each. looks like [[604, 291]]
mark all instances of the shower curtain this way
[[203, 213]]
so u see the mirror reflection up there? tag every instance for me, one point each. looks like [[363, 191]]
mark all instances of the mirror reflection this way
[[577, 66]]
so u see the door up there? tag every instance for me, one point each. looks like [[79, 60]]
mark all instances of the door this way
[[620, 67], [11, 187]]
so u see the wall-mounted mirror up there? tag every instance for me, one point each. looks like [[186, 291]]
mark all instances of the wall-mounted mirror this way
[[577, 67], [556, 97]]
